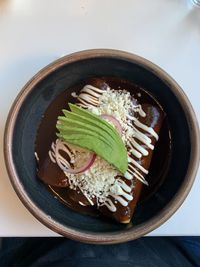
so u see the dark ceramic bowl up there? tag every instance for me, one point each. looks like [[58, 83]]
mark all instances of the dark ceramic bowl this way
[[25, 116]]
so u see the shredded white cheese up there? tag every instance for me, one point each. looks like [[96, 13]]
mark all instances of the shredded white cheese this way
[[118, 104], [99, 182], [96, 181]]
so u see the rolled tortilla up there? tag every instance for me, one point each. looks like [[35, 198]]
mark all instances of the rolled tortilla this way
[[154, 118], [51, 174]]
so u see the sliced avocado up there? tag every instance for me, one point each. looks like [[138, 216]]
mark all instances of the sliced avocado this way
[[110, 154], [109, 129], [83, 125], [95, 121], [67, 129], [87, 130], [90, 115]]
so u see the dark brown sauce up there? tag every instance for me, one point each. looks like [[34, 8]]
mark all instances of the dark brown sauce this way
[[47, 134], [65, 195]]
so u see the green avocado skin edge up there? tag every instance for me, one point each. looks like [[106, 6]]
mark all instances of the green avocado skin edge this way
[[87, 130]]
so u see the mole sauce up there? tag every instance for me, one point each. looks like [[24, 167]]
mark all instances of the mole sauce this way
[[47, 134]]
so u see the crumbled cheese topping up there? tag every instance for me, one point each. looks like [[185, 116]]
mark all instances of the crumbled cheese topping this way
[[100, 181], [117, 103], [78, 156], [96, 181]]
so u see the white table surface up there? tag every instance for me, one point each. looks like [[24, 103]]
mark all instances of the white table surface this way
[[33, 33]]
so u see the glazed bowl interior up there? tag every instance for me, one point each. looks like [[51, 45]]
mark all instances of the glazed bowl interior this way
[[41, 91]]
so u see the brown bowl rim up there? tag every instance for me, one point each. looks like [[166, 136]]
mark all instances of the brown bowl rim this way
[[98, 237]]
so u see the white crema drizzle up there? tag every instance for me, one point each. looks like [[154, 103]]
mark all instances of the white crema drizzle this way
[[93, 185], [89, 96], [92, 98], [136, 149]]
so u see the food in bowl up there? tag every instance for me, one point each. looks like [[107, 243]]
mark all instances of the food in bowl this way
[[35, 112], [95, 149]]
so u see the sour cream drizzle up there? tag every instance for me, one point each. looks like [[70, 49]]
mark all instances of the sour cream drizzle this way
[[89, 96], [121, 192], [137, 150]]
